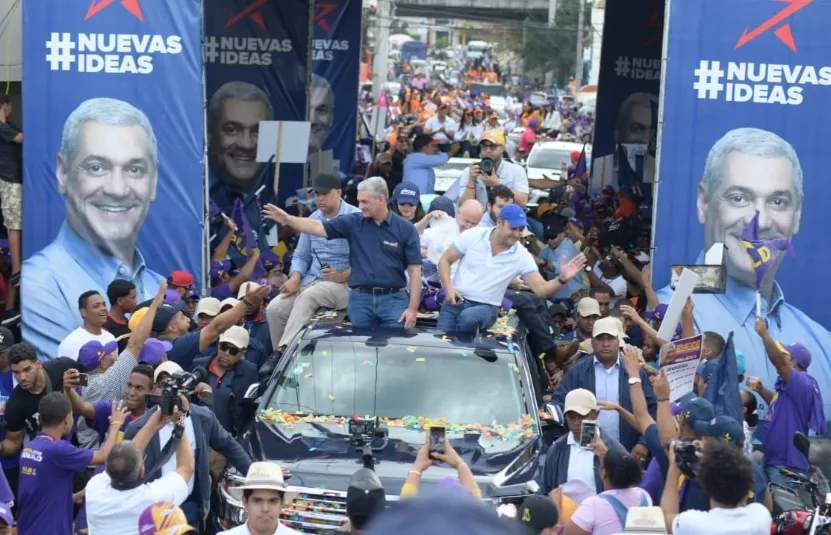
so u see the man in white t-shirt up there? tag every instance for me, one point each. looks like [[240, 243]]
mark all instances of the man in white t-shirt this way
[[443, 230], [263, 494], [94, 314], [441, 127], [608, 273], [115, 499], [474, 182], [726, 476], [489, 259]]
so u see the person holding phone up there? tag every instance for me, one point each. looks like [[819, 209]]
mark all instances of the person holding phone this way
[[578, 454], [436, 450]]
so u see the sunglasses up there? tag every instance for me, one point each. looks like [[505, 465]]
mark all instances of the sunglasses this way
[[230, 349]]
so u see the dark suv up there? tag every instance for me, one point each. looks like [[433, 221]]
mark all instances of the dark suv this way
[[396, 384]]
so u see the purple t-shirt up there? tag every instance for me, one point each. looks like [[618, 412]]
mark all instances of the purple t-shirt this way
[[790, 411], [45, 495], [101, 422]]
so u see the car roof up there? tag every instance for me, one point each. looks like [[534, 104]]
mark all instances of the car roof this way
[[562, 145]]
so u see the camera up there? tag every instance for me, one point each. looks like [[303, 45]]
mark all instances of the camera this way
[[177, 384], [486, 165], [685, 456]]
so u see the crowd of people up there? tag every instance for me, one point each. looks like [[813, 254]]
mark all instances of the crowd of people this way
[[94, 439]]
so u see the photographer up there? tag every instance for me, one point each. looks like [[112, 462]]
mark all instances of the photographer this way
[[425, 460], [203, 432], [116, 498], [492, 171], [726, 477], [365, 500]]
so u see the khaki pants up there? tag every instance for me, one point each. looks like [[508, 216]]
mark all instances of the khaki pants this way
[[218, 463], [287, 315]]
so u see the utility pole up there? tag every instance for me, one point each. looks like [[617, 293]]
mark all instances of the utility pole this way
[[524, 43], [578, 68], [382, 40], [552, 13]]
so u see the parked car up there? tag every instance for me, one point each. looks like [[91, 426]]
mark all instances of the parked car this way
[[448, 173], [546, 158], [481, 390]]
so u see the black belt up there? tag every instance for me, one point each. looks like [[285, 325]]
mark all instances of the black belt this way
[[376, 290]]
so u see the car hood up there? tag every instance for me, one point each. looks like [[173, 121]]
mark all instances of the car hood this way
[[320, 456]]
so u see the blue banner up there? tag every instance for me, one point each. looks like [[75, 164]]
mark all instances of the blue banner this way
[[256, 55], [113, 156], [333, 100], [623, 145], [746, 91]]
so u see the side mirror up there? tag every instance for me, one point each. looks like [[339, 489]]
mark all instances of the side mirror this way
[[802, 443], [252, 392], [555, 415]]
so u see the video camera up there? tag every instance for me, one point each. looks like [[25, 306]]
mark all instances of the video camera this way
[[180, 383], [362, 434], [685, 456]]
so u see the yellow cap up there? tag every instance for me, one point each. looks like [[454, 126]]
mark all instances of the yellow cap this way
[[136, 318], [494, 135]]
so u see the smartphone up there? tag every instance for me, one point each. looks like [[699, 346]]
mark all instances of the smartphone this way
[[83, 379], [437, 435], [588, 431]]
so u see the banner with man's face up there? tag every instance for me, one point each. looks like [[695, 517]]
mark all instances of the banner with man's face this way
[[113, 154], [256, 55], [333, 108], [747, 86], [623, 148]]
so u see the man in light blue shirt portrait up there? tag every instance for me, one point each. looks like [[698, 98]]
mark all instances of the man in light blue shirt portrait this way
[[749, 169], [319, 270], [420, 165], [107, 171]]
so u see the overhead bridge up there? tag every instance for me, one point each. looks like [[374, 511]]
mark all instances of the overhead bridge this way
[[484, 10]]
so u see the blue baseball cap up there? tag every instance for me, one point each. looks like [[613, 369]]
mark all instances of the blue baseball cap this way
[[707, 369], [514, 215], [723, 428], [697, 410], [406, 193], [441, 514]]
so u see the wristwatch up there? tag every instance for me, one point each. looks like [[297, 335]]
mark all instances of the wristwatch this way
[[634, 380]]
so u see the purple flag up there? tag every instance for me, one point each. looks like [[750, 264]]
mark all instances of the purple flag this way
[[763, 253], [245, 239]]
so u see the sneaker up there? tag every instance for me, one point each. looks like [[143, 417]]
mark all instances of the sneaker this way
[[271, 362]]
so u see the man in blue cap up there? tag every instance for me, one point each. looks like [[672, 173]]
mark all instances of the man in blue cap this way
[[489, 259]]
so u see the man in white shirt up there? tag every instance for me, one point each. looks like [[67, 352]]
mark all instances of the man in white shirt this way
[[443, 230], [726, 476], [489, 259], [94, 314], [116, 498], [263, 494], [441, 127], [474, 181]]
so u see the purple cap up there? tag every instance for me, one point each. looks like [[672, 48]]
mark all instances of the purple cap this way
[[800, 354], [153, 351], [659, 312], [451, 484], [4, 248], [269, 259], [92, 353], [576, 222], [171, 297], [6, 514], [217, 272], [677, 408]]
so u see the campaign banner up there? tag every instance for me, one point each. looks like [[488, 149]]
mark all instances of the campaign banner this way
[[256, 54], [333, 97], [746, 88], [623, 146], [113, 157]]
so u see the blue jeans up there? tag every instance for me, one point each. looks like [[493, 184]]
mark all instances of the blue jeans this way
[[466, 317], [370, 310], [778, 478]]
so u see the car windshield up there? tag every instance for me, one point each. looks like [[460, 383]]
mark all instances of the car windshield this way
[[343, 378], [543, 158]]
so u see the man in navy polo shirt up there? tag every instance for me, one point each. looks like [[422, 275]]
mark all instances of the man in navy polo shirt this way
[[382, 247]]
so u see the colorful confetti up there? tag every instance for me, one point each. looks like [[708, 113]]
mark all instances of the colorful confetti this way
[[308, 376], [444, 338], [324, 353], [420, 359], [514, 367], [331, 397], [411, 349], [463, 353], [522, 429]]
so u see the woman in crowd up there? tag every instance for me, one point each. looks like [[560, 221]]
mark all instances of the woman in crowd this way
[[605, 514], [406, 202]]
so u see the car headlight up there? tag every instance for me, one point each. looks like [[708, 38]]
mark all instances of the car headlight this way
[[230, 512]]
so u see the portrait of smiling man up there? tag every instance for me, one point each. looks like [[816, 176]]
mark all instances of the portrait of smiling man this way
[[321, 112], [107, 171], [749, 169], [235, 111]]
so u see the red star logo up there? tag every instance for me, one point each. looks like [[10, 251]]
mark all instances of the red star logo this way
[[320, 17], [252, 11], [783, 32], [130, 5], [655, 24]]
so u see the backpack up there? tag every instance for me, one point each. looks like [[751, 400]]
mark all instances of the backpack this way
[[621, 510]]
